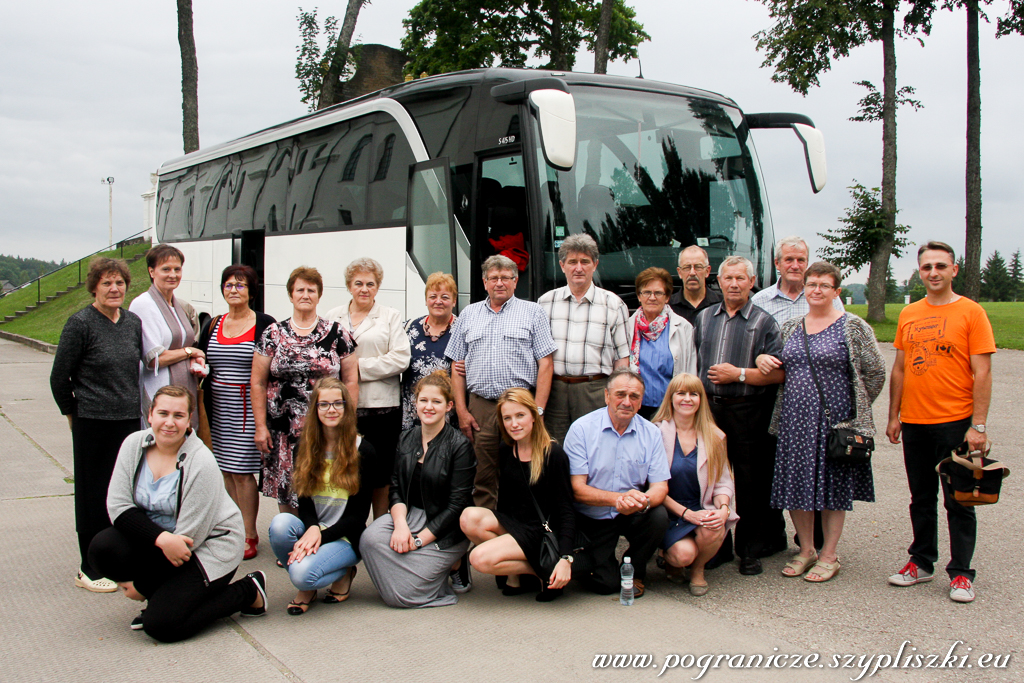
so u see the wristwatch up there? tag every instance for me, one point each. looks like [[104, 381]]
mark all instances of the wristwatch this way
[[743, 375], [188, 351], [417, 542], [978, 428], [540, 411], [567, 558]]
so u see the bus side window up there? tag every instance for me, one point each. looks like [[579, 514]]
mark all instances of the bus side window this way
[[392, 157]]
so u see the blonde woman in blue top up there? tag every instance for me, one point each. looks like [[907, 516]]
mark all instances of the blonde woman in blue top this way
[[320, 545]]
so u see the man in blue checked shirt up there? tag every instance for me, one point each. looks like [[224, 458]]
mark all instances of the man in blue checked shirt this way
[[506, 342], [620, 475]]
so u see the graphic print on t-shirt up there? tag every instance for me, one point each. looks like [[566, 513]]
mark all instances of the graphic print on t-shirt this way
[[926, 338]]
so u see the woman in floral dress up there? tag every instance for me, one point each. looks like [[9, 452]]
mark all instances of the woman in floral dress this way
[[290, 357], [428, 337]]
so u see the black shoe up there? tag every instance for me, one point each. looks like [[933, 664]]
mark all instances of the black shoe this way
[[260, 579], [462, 578], [136, 624], [548, 594], [750, 566], [528, 583], [717, 561]]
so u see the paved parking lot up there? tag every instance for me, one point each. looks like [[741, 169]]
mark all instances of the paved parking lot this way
[[52, 631]]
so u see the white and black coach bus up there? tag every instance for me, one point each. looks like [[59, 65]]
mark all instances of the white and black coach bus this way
[[439, 173]]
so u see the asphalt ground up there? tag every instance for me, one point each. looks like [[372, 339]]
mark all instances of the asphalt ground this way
[[52, 631]]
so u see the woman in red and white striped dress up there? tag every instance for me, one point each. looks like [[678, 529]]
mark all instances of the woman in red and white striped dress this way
[[228, 342]]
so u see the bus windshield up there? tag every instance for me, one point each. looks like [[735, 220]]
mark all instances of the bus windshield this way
[[654, 173]]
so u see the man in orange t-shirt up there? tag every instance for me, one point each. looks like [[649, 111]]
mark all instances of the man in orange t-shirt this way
[[939, 396]]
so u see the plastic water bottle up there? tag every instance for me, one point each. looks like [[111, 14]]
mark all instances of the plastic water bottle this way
[[626, 575]]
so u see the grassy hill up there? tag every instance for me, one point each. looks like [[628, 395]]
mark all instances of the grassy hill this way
[[46, 323], [1007, 320]]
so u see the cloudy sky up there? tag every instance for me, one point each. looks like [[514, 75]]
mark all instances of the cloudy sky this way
[[90, 90]]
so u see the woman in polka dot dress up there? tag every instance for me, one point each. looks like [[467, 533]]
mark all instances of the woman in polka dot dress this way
[[851, 372]]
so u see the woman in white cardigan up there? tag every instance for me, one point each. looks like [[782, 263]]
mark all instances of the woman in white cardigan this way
[[661, 341], [701, 489], [382, 348]]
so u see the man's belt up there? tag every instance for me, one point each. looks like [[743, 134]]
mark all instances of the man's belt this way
[[579, 379], [732, 401]]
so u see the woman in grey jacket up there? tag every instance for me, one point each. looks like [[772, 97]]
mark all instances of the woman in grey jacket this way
[[177, 537]]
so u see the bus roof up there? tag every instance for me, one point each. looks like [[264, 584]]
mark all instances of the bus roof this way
[[470, 77]]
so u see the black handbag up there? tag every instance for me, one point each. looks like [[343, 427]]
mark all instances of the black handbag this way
[[844, 446], [549, 554], [972, 478]]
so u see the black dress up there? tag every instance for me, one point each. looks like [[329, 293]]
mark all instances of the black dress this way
[[553, 492]]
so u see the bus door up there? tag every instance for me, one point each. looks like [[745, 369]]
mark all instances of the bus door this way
[[502, 224], [247, 248], [431, 243]]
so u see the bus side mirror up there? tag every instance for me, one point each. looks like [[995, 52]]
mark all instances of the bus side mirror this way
[[814, 152], [556, 113]]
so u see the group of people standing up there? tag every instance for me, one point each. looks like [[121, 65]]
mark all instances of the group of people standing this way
[[520, 439]]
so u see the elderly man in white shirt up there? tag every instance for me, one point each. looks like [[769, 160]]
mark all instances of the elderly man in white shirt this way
[[785, 299], [589, 327]]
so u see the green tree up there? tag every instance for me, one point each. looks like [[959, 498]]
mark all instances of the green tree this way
[[920, 19], [801, 45], [189, 78], [450, 35], [320, 70], [914, 287], [853, 244], [1017, 276], [893, 294], [959, 279], [996, 282]]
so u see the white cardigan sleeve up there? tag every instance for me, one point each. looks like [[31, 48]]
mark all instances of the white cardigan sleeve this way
[[392, 343]]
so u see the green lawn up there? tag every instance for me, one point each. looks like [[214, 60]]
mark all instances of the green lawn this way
[[1007, 322], [57, 281], [46, 323]]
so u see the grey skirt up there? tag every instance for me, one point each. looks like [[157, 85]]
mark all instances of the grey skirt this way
[[418, 578]]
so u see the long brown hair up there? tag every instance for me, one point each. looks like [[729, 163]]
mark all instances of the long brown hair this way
[[703, 422], [540, 440], [310, 462]]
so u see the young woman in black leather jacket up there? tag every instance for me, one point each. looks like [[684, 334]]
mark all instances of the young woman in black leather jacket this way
[[432, 484]]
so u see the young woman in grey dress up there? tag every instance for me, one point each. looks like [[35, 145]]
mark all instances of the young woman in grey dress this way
[[411, 552], [851, 372]]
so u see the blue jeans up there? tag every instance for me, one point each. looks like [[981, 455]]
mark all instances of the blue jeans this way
[[923, 447], [319, 570]]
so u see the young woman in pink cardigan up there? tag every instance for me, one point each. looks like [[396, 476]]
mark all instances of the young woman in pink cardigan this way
[[700, 492]]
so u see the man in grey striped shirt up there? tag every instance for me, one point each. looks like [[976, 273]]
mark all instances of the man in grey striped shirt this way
[[589, 327], [729, 337]]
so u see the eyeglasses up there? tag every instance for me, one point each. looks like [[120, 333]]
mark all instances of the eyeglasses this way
[[324, 406], [651, 294], [697, 267], [818, 285], [241, 287], [501, 278]]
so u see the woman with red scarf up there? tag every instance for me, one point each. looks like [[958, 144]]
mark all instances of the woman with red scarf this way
[[661, 343]]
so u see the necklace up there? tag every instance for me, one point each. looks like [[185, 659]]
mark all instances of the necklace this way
[[304, 329], [435, 337]]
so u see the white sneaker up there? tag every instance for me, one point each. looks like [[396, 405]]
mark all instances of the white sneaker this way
[[910, 575], [100, 585], [961, 590]]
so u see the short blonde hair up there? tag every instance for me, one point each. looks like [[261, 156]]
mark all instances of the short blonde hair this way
[[363, 265], [441, 280]]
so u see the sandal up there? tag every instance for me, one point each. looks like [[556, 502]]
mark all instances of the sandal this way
[[822, 571], [296, 607], [333, 598], [698, 589], [798, 565]]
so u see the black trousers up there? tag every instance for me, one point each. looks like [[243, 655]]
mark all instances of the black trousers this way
[[382, 431], [923, 447], [181, 601], [761, 530], [596, 568], [95, 444]]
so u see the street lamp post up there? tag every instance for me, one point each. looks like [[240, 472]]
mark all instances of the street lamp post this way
[[109, 182]]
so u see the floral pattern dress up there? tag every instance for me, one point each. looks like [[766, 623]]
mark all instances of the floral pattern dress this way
[[427, 356], [296, 363]]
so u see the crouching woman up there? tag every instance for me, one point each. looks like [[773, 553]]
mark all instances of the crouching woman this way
[[177, 537]]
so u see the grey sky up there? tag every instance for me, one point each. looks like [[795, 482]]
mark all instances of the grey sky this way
[[89, 91]]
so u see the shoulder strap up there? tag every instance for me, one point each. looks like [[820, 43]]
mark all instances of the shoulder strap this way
[[814, 375]]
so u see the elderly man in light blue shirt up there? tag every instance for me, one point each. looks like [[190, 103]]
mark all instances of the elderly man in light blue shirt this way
[[619, 474]]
